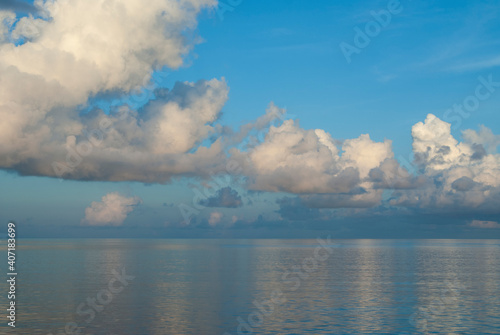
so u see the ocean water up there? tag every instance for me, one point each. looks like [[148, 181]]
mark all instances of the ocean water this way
[[144, 286]]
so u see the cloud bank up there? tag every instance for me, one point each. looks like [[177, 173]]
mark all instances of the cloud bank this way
[[450, 176], [53, 64]]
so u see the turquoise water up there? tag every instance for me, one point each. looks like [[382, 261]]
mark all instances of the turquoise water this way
[[256, 287]]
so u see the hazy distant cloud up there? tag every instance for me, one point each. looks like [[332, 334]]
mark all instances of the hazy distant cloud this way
[[365, 199], [111, 210], [476, 65], [215, 218], [484, 224], [292, 209], [225, 197]]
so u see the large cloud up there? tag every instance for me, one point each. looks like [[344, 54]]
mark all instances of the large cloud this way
[[326, 172], [462, 176], [152, 146], [111, 210], [451, 176], [79, 49]]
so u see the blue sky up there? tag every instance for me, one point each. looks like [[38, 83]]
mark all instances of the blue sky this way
[[428, 58]]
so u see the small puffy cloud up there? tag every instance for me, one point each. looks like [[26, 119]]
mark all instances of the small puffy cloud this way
[[484, 224], [225, 197], [215, 218], [364, 154], [112, 210]]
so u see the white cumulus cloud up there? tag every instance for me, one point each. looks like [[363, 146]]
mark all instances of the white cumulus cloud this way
[[82, 48], [295, 160], [460, 175]]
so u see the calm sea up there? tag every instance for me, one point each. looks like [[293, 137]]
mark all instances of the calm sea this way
[[144, 286]]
